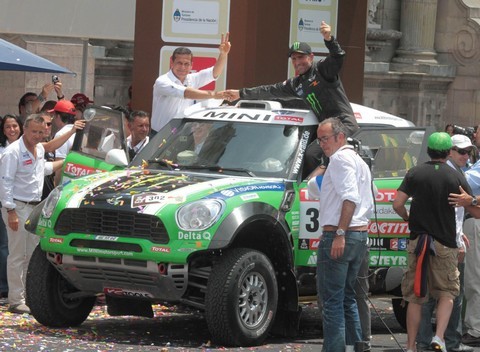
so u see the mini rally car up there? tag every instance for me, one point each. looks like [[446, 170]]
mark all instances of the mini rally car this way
[[213, 213]]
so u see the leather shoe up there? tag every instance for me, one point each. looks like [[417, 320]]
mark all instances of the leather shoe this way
[[19, 309], [470, 340], [462, 348]]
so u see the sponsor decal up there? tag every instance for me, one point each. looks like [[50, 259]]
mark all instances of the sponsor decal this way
[[249, 196], [357, 115], [250, 188], [104, 252], [386, 195], [44, 222], [303, 244], [112, 291], [288, 118], [388, 259], [388, 228], [303, 146], [398, 244], [55, 240], [106, 238], [313, 244], [312, 260], [387, 244], [144, 199], [160, 249], [77, 170], [195, 236]]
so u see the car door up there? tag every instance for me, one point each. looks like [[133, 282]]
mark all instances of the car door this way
[[104, 134]]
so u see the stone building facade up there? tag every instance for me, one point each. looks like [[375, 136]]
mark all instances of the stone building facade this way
[[422, 63], [423, 60]]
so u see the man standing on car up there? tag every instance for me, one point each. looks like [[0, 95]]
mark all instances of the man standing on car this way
[[139, 126], [178, 89], [433, 241], [317, 83], [22, 170], [346, 204]]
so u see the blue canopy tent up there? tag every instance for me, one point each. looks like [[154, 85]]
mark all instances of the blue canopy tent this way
[[14, 58]]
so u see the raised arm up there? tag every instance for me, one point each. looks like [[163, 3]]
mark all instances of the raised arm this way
[[56, 143], [222, 57]]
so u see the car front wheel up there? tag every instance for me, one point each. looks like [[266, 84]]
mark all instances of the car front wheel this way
[[49, 295], [241, 298]]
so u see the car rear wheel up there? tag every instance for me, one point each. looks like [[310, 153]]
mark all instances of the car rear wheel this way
[[241, 298], [49, 295], [400, 310]]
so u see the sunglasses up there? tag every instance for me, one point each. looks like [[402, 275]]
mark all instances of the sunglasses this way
[[461, 151]]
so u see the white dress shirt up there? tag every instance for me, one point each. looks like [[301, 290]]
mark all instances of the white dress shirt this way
[[139, 146], [168, 95], [64, 149], [347, 177], [21, 175]]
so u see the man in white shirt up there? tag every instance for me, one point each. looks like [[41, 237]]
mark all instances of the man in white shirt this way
[[22, 170], [346, 204], [139, 125], [178, 89], [64, 118]]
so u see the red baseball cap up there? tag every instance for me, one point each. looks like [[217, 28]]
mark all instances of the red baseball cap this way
[[65, 106], [80, 99]]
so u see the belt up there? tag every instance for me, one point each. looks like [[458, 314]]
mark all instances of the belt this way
[[31, 203], [353, 228]]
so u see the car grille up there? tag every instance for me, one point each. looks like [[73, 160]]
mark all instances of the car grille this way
[[111, 223]]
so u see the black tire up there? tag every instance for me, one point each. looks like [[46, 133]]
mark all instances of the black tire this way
[[242, 278], [45, 290], [400, 310]]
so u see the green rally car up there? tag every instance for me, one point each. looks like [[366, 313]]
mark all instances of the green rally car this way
[[213, 213]]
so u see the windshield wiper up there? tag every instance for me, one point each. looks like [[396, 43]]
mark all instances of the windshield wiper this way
[[218, 169], [162, 162]]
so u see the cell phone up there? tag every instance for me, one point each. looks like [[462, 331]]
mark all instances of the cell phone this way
[[55, 79]]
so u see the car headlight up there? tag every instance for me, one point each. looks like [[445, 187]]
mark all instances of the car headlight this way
[[199, 215], [51, 202]]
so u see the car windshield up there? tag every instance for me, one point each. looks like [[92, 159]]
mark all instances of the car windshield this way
[[229, 147], [393, 150]]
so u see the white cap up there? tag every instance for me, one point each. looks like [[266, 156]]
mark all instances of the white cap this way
[[461, 141]]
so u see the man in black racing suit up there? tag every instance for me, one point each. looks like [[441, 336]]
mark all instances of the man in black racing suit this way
[[317, 83]]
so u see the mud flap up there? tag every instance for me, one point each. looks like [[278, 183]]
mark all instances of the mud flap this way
[[124, 306], [287, 319]]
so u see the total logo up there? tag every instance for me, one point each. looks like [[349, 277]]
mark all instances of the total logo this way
[[125, 293]]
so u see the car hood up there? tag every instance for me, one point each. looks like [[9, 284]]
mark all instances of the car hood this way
[[149, 190]]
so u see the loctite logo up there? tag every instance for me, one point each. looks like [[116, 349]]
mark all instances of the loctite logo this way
[[386, 195], [388, 228], [55, 240]]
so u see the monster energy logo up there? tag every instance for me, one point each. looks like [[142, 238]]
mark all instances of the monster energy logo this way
[[296, 45], [314, 103]]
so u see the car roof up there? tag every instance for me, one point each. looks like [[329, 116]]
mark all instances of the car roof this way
[[274, 112]]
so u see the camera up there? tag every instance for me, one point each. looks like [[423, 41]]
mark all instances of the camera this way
[[55, 79], [466, 131]]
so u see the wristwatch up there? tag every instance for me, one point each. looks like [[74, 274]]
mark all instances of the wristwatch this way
[[340, 232], [474, 201]]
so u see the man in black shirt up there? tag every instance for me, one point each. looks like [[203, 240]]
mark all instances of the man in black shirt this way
[[317, 83], [431, 221]]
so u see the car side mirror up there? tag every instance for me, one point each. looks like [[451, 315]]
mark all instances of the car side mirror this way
[[116, 157]]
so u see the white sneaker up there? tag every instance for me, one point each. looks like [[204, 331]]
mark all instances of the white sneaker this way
[[437, 344]]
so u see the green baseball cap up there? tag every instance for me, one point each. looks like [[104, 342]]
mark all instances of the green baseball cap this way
[[440, 141]]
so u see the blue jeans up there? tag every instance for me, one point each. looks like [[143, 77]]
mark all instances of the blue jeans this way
[[336, 282], [3, 256], [453, 333]]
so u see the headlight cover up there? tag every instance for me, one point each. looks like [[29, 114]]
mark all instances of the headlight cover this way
[[51, 202], [199, 215]]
